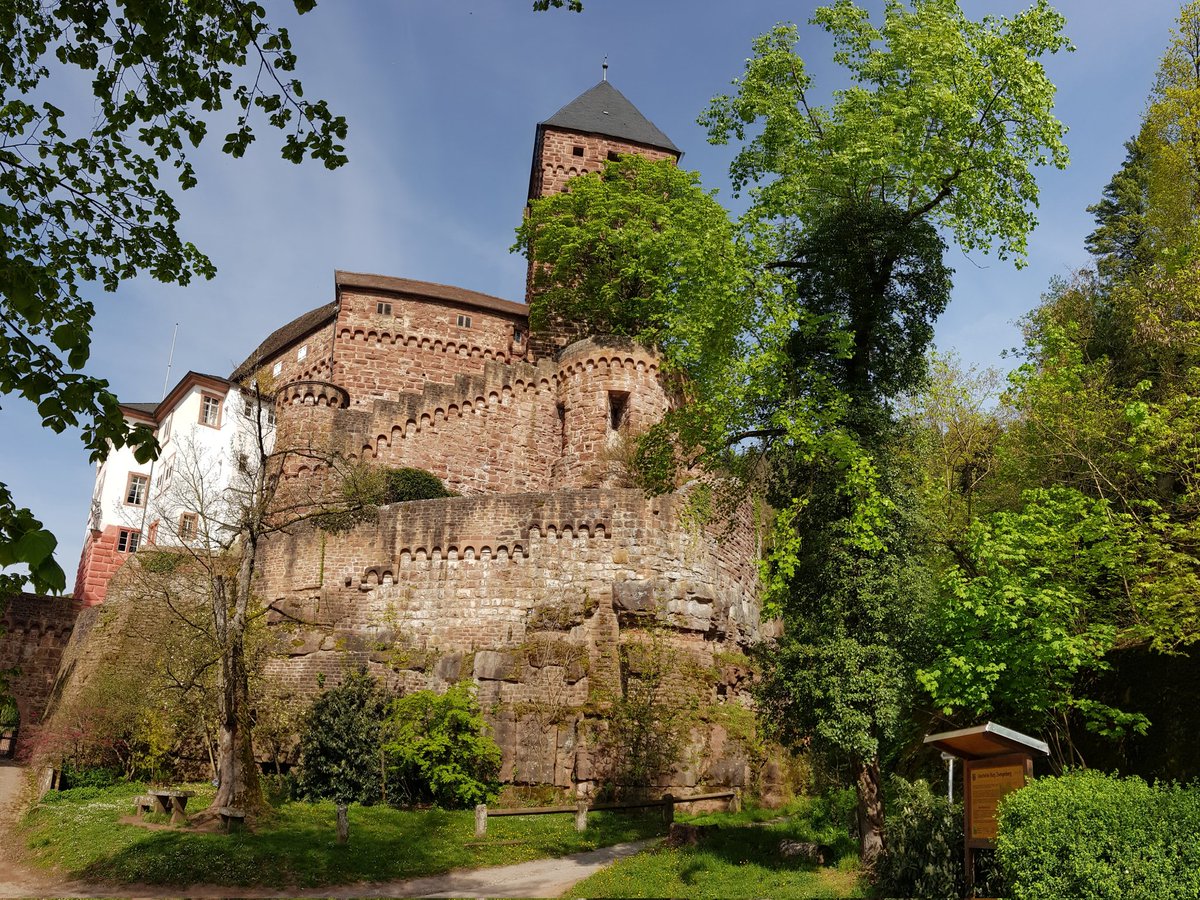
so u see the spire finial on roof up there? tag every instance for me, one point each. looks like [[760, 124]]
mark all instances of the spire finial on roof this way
[[604, 69]]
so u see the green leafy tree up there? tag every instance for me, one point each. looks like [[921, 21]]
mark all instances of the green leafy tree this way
[[942, 126], [1121, 429], [1121, 241], [842, 676], [438, 748], [956, 424], [1171, 132], [86, 201], [639, 249], [341, 745], [1033, 613], [868, 281], [945, 119]]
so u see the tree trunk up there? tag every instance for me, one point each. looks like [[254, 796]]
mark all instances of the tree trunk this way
[[239, 785], [870, 812]]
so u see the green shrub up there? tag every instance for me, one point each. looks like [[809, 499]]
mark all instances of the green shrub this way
[[1090, 836], [413, 484], [340, 743], [924, 834], [74, 776], [438, 749]]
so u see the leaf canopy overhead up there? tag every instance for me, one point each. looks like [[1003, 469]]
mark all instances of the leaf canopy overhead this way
[[945, 118]]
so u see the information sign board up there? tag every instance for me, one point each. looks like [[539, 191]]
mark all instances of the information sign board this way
[[985, 783]]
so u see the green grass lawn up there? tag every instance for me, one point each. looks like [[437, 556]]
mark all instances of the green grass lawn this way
[[78, 833], [736, 859]]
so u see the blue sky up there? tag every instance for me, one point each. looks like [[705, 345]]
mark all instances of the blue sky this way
[[442, 98]]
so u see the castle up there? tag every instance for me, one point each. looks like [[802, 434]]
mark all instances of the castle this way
[[535, 581]]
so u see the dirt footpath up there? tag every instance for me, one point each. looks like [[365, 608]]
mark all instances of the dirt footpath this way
[[15, 879], [540, 878]]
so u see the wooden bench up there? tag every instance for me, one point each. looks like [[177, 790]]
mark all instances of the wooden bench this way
[[171, 802], [231, 818]]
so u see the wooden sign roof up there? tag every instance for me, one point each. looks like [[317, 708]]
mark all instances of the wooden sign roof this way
[[984, 741]]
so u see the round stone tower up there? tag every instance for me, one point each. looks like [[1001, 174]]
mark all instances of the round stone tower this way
[[609, 391]]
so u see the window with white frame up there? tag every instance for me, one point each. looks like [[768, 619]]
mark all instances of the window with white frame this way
[[135, 489], [277, 368], [464, 321], [249, 406], [128, 540], [210, 410], [168, 471], [189, 526], [383, 309], [302, 353], [165, 430]]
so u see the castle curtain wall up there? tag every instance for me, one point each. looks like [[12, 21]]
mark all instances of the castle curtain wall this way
[[379, 356]]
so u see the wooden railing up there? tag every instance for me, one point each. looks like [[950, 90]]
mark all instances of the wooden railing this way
[[582, 808]]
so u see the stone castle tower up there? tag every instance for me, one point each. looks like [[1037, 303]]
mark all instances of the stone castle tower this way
[[548, 581], [598, 125]]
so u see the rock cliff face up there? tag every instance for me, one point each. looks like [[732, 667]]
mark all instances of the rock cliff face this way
[[569, 610]]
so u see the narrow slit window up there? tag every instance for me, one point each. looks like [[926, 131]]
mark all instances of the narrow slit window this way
[[464, 321], [562, 425], [618, 406]]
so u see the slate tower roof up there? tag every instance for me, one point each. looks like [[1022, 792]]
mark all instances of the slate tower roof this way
[[605, 110]]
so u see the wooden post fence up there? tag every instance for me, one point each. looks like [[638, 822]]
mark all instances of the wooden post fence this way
[[582, 808]]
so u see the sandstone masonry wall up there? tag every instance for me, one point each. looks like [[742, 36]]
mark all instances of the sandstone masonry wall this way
[[98, 563], [508, 428], [609, 390], [532, 597], [316, 364], [379, 356], [556, 162], [34, 632]]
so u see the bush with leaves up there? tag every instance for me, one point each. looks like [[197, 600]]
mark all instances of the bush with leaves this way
[[340, 743], [1091, 836], [438, 749], [924, 844], [413, 484]]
